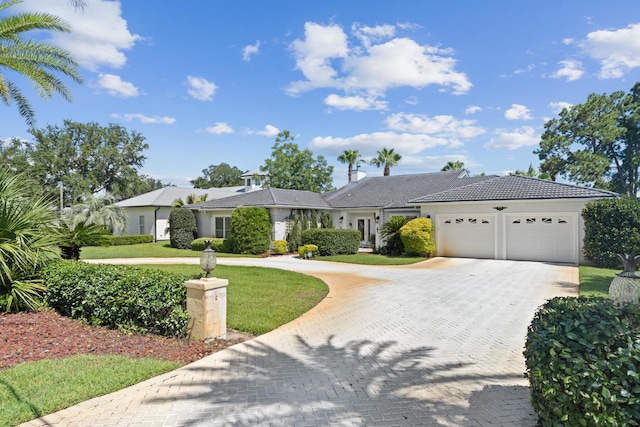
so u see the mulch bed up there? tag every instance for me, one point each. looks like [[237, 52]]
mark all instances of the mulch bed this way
[[26, 337]]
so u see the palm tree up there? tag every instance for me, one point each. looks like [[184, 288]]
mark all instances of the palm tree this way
[[388, 158], [391, 232], [352, 157], [100, 211], [454, 166], [27, 241], [35, 60]]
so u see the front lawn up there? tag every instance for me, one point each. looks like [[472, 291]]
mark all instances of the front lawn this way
[[594, 281], [371, 259], [145, 250]]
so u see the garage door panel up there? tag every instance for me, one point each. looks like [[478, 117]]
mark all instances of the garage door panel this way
[[467, 236], [538, 237]]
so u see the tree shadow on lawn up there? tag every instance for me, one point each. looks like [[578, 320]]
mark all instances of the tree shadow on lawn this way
[[360, 383]]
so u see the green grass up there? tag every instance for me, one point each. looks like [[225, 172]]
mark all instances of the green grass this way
[[144, 250], [33, 389], [371, 259], [261, 299], [594, 281]]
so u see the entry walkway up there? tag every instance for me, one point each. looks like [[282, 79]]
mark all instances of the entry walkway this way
[[438, 343]]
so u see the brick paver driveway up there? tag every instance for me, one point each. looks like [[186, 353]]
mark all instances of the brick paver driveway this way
[[437, 343]]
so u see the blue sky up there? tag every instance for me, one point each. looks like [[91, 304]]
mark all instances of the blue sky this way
[[210, 81]]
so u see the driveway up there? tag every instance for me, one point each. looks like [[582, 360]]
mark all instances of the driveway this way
[[438, 343]]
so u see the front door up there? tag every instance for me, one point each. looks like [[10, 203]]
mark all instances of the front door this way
[[364, 225]]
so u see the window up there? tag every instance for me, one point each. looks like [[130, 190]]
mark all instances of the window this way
[[223, 226], [141, 223]]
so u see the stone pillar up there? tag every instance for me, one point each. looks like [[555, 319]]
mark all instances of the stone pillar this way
[[207, 307]]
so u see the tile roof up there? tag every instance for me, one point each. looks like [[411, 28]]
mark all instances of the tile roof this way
[[513, 187], [396, 191], [268, 197], [164, 197]]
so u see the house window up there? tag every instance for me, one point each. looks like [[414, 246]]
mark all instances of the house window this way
[[256, 182], [223, 226], [141, 223]]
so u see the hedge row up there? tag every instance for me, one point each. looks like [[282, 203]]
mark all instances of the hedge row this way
[[134, 239], [217, 244], [583, 362], [121, 297], [332, 241]]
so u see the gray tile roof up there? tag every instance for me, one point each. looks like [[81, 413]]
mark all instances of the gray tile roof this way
[[513, 187], [395, 191], [268, 197], [164, 197]]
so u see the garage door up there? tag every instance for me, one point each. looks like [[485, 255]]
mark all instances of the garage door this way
[[542, 238], [467, 236]]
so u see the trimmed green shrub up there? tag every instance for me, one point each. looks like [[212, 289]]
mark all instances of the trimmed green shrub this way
[[129, 298], [583, 362], [182, 228], [417, 237], [332, 241], [611, 226], [280, 247], [305, 249], [250, 230], [134, 239], [217, 244]]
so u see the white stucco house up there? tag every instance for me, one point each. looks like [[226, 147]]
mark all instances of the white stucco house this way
[[500, 217]]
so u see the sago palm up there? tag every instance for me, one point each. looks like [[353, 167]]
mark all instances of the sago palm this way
[[27, 241], [387, 157], [37, 61]]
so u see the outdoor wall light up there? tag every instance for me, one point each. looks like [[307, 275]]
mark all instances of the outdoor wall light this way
[[208, 259], [377, 218], [499, 208], [341, 218]]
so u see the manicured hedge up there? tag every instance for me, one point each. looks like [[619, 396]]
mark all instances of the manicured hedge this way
[[611, 226], [182, 228], [332, 241], [583, 362], [305, 249], [134, 239], [118, 296], [217, 244], [280, 247], [250, 230], [417, 237]]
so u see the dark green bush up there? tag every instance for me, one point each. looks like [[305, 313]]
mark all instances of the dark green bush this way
[[390, 231], [583, 362], [417, 237], [182, 228], [611, 226], [122, 297], [250, 230], [332, 241], [134, 239]]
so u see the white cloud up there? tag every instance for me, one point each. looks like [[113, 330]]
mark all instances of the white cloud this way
[[269, 130], [357, 103], [116, 86], [472, 109], [513, 139], [556, 107], [327, 59], [412, 100], [570, 69], [442, 126], [617, 50], [250, 50], [518, 112], [219, 128], [99, 35], [200, 88], [368, 144], [145, 119]]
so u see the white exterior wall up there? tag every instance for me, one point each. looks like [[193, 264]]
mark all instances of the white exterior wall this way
[[150, 214], [566, 206]]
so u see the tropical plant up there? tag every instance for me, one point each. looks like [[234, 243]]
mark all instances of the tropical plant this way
[[35, 60], [390, 231], [387, 158], [351, 157], [100, 211], [74, 232], [191, 199], [26, 241], [454, 166]]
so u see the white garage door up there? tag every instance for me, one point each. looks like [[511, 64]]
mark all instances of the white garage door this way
[[541, 237], [467, 236]]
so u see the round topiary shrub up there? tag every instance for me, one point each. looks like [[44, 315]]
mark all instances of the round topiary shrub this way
[[250, 230], [280, 247], [182, 228], [417, 237]]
